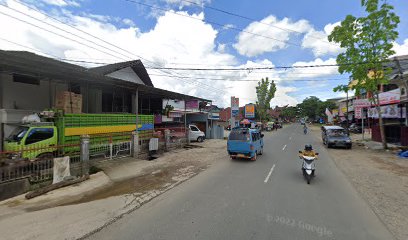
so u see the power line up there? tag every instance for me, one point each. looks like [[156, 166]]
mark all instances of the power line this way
[[80, 30], [257, 80], [254, 20], [79, 61], [212, 22], [60, 35], [206, 87], [266, 68]]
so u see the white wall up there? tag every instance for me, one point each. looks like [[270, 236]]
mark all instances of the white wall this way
[[126, 74], [24, 96]]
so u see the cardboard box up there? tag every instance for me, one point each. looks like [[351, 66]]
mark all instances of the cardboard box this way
[[69, 102]]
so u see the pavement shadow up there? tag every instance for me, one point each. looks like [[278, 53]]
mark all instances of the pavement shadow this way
[[242, 160]]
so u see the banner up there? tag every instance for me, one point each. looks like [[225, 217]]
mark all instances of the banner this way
[[250, 111], [178, 105], [361, 103], [358, 113], [234, 106], [192, 105], [390, 97], [390, 111], [329, 115]]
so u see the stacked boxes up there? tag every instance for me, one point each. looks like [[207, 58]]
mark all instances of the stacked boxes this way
[[69, 102]]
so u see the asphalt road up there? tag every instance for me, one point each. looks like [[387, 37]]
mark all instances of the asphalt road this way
[[237, 200]]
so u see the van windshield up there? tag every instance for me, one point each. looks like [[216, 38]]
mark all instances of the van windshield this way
[[240, 135], [17, 134]]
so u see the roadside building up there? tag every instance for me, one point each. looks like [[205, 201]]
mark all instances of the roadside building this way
[[31, 83], [394, 102]]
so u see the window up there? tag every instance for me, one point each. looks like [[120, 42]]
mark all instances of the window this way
[[39, 134], [255, 137], [25, 79], [194, 129], [239, 134], [17, 134]]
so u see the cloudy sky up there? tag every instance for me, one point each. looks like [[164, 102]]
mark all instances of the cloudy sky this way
[[195, 34]]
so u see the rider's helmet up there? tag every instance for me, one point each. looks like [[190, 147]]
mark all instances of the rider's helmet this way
[[308, 147]]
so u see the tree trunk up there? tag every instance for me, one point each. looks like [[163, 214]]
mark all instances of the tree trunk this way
[[380, 122]]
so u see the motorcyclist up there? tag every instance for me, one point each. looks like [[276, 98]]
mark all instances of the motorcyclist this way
[[308, 151]]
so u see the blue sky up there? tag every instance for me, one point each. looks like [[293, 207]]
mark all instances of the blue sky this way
[[167, 39]]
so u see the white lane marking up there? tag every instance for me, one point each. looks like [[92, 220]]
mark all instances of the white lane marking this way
[[284, 147], [290, 138], [269, 174]]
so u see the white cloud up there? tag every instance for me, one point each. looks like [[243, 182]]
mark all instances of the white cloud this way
[[170, 41], [312, 72], [252, 45], [282, 98], [62, 3], [228, 26], [401, 49], [183, 3], [128, 22], [317, 41]]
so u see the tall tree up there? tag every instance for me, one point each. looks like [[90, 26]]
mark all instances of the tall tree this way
[[309, 107], [368, 45], [289, 112], [265, 91]]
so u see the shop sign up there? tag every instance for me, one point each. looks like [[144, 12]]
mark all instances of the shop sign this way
[[250, 111]]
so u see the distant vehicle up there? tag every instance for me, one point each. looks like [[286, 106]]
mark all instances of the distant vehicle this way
[[269, 126], [302, 122], [196, 134], [355, 128], [228, 128], [245, 143], [335, 136]]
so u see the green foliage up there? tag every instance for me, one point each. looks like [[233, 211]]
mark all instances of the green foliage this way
[[289, 112], [368, 44], [308, 107], [341, 88], [312, 107], [265, 91]]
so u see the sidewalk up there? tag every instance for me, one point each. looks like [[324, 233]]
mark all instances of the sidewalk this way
[[380, 177], [358, 139], [123, 186]]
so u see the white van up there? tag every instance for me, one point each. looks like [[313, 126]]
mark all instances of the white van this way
[[196, 134]]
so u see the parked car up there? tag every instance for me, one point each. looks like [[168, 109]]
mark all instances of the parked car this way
[[335, 136], [355, 128], [196, 134], [245, 143]]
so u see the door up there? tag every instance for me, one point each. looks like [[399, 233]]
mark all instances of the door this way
[[194, 133], [256, 142], [39, 141]]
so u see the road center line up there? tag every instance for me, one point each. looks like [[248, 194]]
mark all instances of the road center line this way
[[284, 147], [269, 174]]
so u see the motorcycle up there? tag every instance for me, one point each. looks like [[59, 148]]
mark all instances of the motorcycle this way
[[305, 130], [308, 167]]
